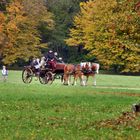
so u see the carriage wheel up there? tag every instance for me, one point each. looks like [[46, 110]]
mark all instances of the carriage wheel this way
[[50, 77], [43, 79], [27, 75]]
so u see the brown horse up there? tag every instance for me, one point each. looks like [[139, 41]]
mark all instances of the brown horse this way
[[74, 70], [90, 69]]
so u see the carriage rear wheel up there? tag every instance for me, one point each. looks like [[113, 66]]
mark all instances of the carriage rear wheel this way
[[27, 75], [50, 77], [43, 79]]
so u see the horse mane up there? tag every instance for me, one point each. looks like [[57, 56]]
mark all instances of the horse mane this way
[[85, 64], [89, 65]]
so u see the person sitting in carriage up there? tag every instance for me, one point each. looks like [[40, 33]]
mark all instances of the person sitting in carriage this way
[[58, 59], [56, 56], [51, 60], [36, 64]]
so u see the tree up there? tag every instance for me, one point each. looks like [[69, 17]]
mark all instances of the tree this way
[[64, 11], [2, 24], [109, 31], [21, 30]]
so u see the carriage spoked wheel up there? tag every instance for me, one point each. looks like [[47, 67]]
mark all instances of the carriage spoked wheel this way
[[43, 79], [27, 75], [49, 77]]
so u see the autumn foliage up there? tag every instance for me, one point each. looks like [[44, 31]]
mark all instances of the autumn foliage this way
[[20, 38], [109, 30]]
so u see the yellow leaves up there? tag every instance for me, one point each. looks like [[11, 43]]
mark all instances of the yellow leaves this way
[[81, 4], [11, 26], [19, 32], [109, 30], [72, 42], [14, 8]]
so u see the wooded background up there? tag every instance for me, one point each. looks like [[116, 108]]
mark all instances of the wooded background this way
[[107, 32]]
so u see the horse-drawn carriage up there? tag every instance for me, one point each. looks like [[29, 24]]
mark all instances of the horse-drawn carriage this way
[[45, 75]]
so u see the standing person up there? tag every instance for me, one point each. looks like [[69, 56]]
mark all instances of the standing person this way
[[4, 73]]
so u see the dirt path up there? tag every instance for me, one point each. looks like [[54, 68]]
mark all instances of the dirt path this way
[[128, 88], [125, 93]]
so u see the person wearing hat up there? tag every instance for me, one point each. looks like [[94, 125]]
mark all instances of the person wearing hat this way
[[56, 56], [49, 56], [50, 60]]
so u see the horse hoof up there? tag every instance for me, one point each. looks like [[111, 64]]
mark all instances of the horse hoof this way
[[65, 84], [83, 85]]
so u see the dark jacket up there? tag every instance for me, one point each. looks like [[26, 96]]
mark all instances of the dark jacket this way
[[49, 56]]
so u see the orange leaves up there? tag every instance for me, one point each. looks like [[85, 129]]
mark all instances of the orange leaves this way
[[2, 21], [2, 24], [2, 18], [15, 7], [19, 27]]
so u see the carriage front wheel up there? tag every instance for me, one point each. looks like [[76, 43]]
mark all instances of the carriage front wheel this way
[[27, 75]]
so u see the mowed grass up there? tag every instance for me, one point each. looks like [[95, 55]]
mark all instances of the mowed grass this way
[[55, 112]]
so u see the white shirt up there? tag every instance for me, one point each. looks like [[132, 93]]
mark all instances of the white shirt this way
[[4, 72]]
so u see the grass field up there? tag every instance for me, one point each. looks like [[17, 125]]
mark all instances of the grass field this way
[[56, 112]]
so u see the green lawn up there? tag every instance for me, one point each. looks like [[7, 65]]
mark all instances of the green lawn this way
[[56, 112]]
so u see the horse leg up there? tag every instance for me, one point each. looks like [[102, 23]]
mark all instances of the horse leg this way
[[81, 77], [94, 80], [68, 80], [75, 80], [62, 79], [86, 80], [65, 79]]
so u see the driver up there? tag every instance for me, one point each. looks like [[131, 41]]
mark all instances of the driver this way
[[49, 56], [50, 59]]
